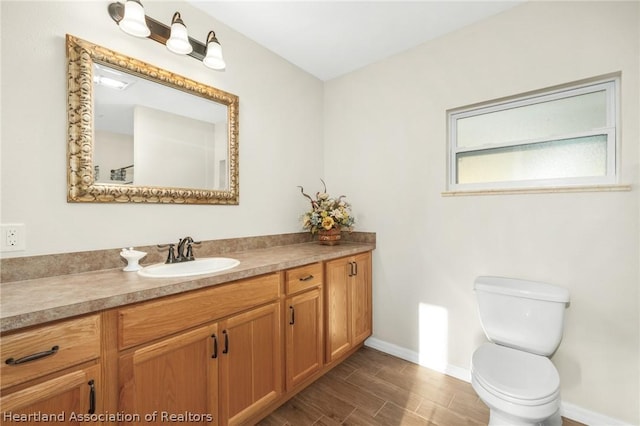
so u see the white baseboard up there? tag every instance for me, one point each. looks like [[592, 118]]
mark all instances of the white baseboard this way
[[588, 417], [391, 349], [412, 356], [567, 409]]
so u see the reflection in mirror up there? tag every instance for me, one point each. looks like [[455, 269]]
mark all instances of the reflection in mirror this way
[[152, 135], [142, 134]]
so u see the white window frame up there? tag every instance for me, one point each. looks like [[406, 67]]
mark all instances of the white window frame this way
[[610, 85]]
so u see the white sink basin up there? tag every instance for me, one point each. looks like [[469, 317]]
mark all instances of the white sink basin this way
[[205, 265]]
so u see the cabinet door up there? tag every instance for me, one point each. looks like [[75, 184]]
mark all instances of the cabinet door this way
[[250, 363], [348, 303], [338, 308], [304, 336], [67, 399], [175, 376], [361, 298]]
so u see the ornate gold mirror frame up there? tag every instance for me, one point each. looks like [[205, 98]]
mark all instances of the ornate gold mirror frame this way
[[81, 182]]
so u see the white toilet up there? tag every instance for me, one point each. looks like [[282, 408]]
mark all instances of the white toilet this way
[[513, 375]]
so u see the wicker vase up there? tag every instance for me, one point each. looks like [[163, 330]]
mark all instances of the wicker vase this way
[[329, 237]]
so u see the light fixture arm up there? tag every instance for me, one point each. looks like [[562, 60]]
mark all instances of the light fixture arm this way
[[159, 31]]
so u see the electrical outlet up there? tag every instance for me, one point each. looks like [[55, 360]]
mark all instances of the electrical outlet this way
[[12, 237]]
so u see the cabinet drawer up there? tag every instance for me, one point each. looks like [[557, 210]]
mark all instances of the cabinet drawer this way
[[49, 348], [304, 277], [151, 320]]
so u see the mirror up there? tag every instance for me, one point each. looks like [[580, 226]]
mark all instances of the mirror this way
[[138, 133]]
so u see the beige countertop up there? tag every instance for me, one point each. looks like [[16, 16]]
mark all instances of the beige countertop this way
[[36, 301]]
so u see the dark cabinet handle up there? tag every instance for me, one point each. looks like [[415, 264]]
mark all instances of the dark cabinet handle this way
[[92, 396], [293, 315], [215, 346], [353, 269], [226, 342], [33, 357], [307, 278]]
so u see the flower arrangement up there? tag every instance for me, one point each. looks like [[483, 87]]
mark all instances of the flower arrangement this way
[[327, 212]]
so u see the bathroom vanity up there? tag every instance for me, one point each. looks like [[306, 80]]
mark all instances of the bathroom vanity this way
[[221, 349]]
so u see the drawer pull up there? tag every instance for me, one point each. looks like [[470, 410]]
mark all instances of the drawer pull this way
[[33, 357], [307, 278], [92, 396]]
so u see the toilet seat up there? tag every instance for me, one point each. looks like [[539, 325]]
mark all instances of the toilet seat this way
[[515, 376]]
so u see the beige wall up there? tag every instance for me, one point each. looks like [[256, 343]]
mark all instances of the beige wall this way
[[385, 143], [280, 131]]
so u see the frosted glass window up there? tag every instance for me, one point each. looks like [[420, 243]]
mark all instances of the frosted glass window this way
[[555, 138], [568, 158], [537, 121]]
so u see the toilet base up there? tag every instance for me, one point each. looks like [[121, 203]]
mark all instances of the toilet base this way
[[497, 418]]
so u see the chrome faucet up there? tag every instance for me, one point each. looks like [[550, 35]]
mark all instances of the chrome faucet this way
[[180, 255]]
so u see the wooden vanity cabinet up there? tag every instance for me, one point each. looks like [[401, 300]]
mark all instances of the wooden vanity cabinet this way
[[222, 355], [210, 353], [51, 373], [348, 303], [303, 323]]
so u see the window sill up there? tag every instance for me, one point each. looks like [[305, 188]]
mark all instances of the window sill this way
[[554, 189]]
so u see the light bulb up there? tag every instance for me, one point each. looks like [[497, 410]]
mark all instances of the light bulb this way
[[179, 40], [134, 22], [213, 59]]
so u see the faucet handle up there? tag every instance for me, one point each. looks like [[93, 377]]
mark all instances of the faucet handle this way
[[189, 255], [171, 256]]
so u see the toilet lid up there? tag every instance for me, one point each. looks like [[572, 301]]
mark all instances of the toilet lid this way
[[517, 375]]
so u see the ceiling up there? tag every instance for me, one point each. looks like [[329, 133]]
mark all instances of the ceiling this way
[[331, 38]]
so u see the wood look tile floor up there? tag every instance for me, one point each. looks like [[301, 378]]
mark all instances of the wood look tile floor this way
[[373, 388]]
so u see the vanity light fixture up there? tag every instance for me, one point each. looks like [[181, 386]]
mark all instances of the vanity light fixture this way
[[175, 37], [179, 40], [133, 22], [213, 59]]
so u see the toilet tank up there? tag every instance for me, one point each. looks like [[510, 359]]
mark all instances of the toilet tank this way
[[520, 314]]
